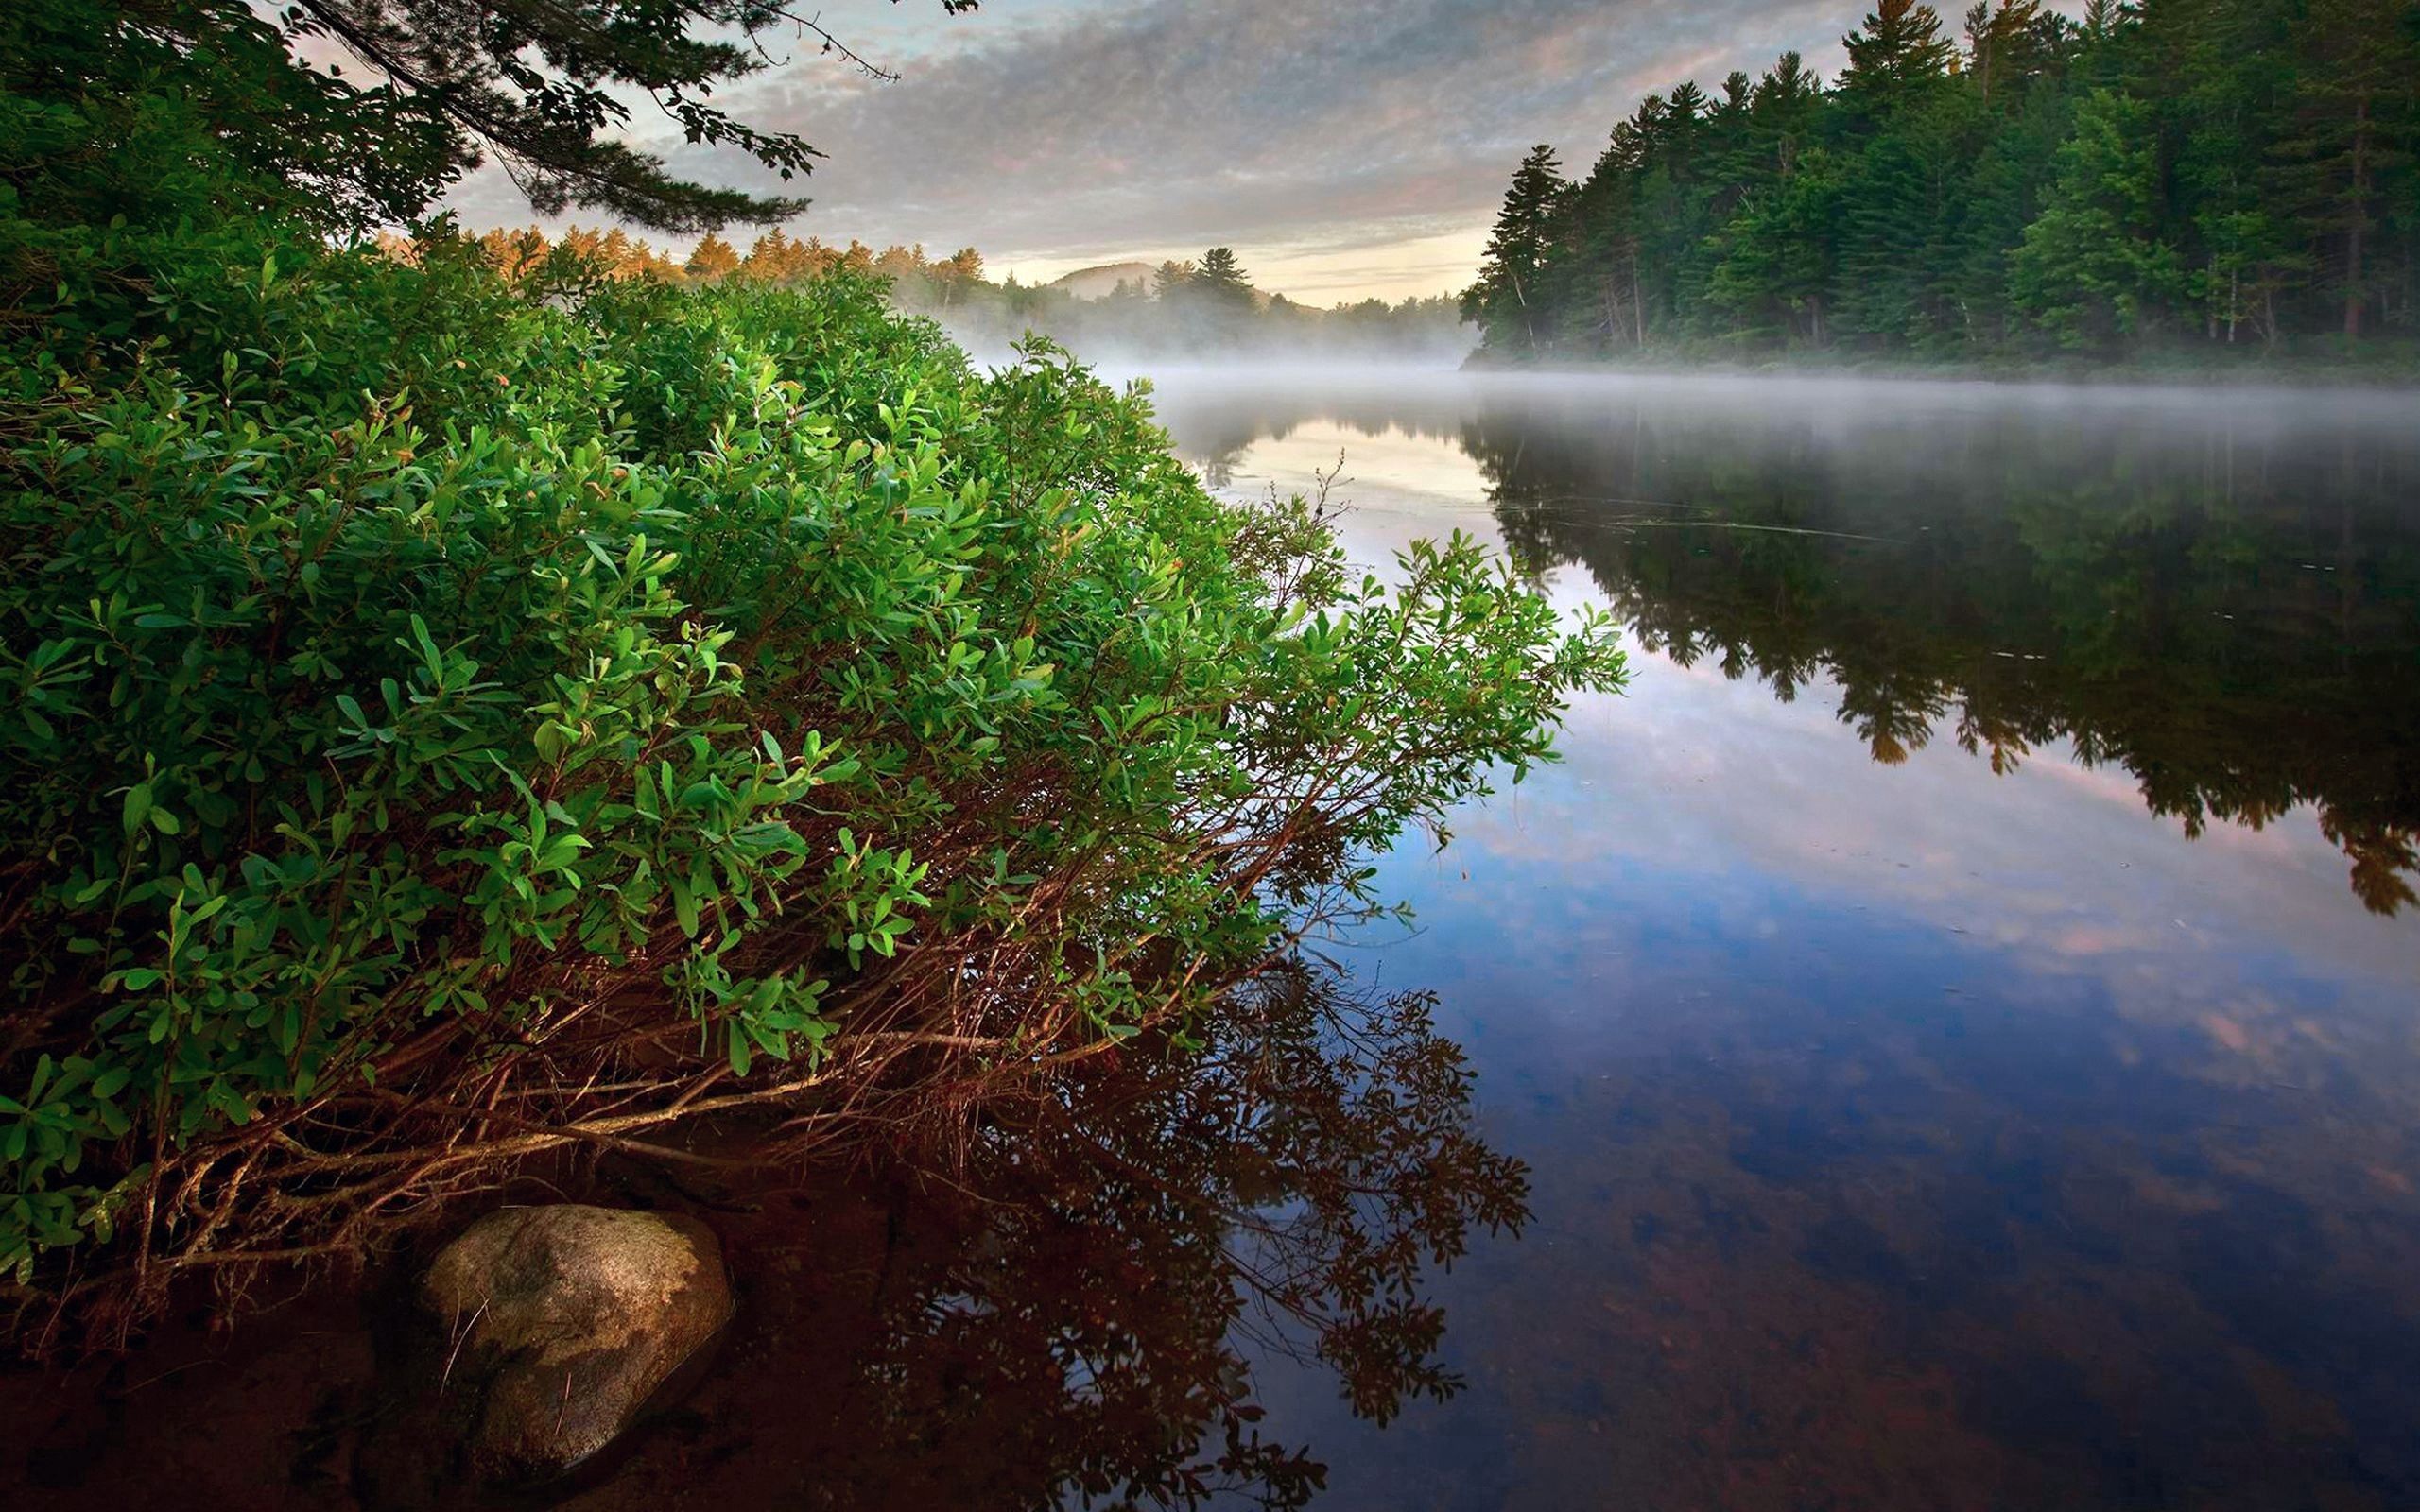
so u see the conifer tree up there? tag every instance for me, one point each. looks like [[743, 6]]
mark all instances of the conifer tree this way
[[1221, 281], [541, 87], [1895, 56], [1786, 104], [2351, 101], [1170, 280], [713, 258], [1506, 299], [2092, 266], [2176, 170]]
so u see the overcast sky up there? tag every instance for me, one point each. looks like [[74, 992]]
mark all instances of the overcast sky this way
[[1344, 147]]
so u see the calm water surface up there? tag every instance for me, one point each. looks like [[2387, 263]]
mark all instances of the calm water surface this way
[[1961, 1008], [1948, 1037]]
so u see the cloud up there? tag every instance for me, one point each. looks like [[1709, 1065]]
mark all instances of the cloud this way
[[1320, 139]]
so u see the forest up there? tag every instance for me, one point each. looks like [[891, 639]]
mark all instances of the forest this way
[[2202, 179]]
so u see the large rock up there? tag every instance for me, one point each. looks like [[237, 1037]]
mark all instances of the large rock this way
[[563, 1322]]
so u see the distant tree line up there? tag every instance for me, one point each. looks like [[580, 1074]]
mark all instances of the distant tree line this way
[[1185, 308], [1210, 308], [2168, 174], [774, 258]]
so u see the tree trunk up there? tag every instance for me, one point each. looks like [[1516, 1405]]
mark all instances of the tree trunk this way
[[2361, 216], [1528, 327], [1637, 299]]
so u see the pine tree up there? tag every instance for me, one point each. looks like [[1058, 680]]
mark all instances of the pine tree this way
[[541, 87], [1505, 298], [1778, 257], [775, 258], [2092, 268], [1895, 56], [1786, 107], [1999, 197], [960, 272], [1594, 289], [2008, 47], [1221, 281], [2232, 67], [1893, 213], [514, 253], [2184, 169], [1672, 199], [2354, 88]]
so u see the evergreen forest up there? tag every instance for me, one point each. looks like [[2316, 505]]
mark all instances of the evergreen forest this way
[[2158, 178]]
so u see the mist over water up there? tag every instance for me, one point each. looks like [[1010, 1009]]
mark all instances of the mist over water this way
[[1133, 335], [1304, 369], [1202, 398], [1956, 1005]]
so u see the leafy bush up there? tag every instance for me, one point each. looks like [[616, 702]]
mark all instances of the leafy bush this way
[[450, 721]]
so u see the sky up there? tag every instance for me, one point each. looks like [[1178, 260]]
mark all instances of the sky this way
[[1344, 148]]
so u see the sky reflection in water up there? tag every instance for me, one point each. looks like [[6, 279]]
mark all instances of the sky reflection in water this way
[[1914, 1125], [1956, 1010]]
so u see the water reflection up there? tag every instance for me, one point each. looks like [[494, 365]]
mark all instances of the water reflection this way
[[1953, 1068], [1065, 1309], [1284, 1192], [1068, 1316], [2218, 593]]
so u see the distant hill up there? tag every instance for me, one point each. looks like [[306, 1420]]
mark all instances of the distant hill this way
[[1101, 283]]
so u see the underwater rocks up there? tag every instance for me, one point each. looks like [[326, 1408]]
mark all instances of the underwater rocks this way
[[562, 1323]]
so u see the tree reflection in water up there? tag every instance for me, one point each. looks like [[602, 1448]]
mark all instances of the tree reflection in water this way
[[1063, 1312], [2217, 593], [2237, 627], [1066, 1319]]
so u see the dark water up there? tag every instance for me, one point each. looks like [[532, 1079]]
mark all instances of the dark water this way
[[1961, 1009], [1948, 1037]]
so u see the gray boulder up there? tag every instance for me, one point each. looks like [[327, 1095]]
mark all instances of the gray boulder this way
[[561, 1322]]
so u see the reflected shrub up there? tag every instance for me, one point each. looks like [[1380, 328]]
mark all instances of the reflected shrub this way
[[1129, 1250]]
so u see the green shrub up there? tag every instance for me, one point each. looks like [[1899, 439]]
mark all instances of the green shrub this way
[[448, 721]]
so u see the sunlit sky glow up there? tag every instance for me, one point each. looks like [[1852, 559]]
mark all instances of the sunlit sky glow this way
[[1345, 148]]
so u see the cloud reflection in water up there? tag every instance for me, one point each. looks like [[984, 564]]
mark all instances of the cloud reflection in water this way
[[1908, 1133]]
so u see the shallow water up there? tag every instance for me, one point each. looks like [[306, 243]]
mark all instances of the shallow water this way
[[1961, 1007]]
